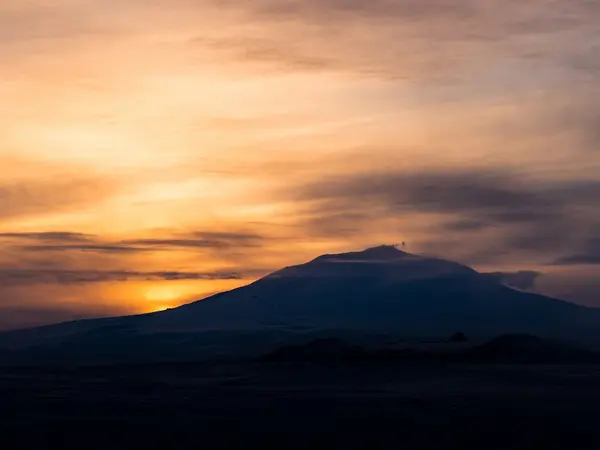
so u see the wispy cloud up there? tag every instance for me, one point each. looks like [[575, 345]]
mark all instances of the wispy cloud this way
[[65, 241], [407, 39], [29, 197], [587, 253], [178, 243], [578, 259], [50, 236], [119, 248], [48, 276]]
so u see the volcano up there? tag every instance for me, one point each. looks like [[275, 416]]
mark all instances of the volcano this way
[[381, 290]]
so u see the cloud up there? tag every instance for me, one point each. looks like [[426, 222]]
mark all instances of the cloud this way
[[385, 38], [491, 197], [391, 39], [201, 240], [575, 283], [587, 254], [15, 277], [536, 16], [491, 211], [66, 241], [466, 225], [524, 280], [178, 243], [407, 39], [86, 248], [68, 251], [20, 198], [47, 19], [50, 236], [333, 224], [229, 236], [578, 259]]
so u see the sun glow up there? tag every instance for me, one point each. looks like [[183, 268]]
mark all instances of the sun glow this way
[[161, 294], [161, 298], [171, 294]]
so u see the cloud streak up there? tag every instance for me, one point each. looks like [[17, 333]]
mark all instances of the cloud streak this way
[[587, 254], [119, 248], [65, 241], [15, 277], [408, 39], [21, 198], [50, 236]]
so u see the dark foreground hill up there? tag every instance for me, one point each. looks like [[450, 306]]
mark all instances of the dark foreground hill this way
[[506, 349], [381, 292]]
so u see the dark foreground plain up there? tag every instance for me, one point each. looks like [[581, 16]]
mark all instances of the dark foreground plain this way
[[290, 405]]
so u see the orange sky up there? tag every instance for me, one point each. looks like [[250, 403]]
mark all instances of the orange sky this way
[[213, 141]]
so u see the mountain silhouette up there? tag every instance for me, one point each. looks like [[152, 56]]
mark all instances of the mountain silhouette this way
[[381, 290]]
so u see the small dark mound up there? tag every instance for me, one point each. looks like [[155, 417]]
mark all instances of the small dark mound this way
[[524, 348]]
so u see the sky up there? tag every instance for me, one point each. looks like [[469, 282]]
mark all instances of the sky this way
[[153, 152]]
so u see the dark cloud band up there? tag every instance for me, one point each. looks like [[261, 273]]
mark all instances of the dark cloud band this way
[[33, 276]]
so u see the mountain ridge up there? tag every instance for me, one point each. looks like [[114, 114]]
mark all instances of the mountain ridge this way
[[380, 290]]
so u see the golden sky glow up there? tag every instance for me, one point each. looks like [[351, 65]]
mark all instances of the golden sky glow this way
[[185, 147]]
